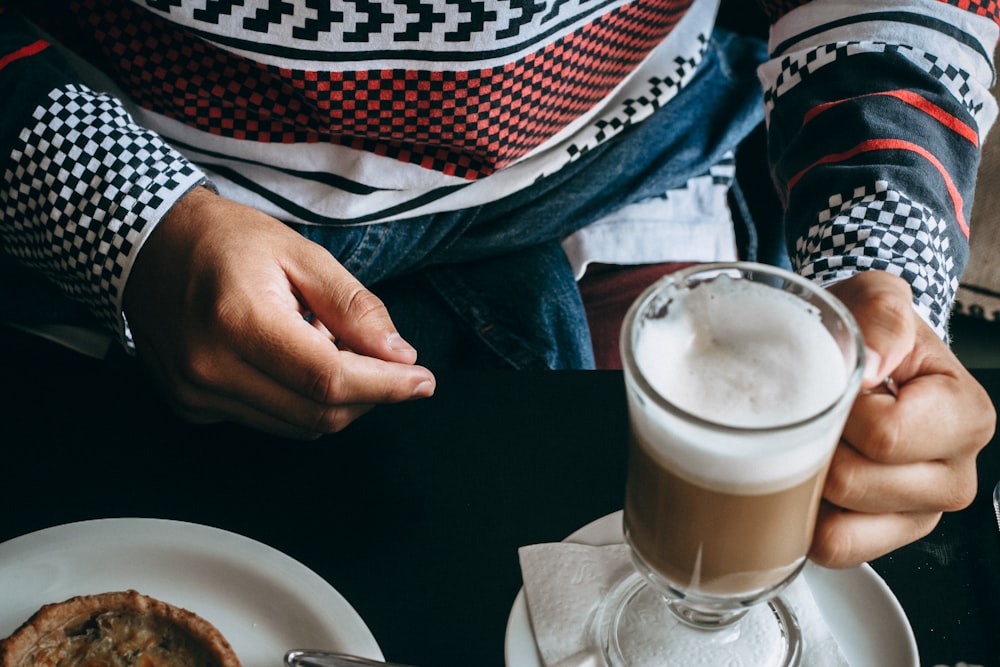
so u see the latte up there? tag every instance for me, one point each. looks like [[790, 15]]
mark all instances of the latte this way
[[736, 399]]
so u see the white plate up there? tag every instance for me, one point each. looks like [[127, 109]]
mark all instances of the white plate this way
[[263, 601], [862, 613]]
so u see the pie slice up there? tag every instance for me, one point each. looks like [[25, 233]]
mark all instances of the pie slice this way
[[119, 629]]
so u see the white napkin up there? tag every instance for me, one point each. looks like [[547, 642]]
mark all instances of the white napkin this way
[[565, 582]]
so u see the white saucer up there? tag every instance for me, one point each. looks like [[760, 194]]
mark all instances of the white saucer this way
[[862, 613], [263, 601]]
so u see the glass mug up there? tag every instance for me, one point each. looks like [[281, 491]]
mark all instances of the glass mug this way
[[739, 379]]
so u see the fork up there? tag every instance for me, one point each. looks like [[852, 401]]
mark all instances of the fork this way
[[301, 658], [996, 502]]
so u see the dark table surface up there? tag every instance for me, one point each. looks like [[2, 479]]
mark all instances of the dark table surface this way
[[415, 512]]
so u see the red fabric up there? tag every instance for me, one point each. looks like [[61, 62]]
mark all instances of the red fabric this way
[[607, 293], [462, 122]]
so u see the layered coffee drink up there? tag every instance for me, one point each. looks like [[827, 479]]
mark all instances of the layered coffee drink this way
[[713, 541], [736, 399]]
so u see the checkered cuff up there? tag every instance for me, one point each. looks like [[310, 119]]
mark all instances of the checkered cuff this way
[[83, 188], [883, 229]]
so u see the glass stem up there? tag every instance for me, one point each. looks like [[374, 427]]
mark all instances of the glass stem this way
[[703, 619]]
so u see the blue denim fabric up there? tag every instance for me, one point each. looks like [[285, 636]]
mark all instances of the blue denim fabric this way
[[497, 272], [491, 286]]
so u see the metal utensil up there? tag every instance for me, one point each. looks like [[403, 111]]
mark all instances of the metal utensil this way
[[310, 658], [996, 502]]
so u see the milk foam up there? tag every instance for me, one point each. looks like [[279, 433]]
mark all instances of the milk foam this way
[[741, 354]]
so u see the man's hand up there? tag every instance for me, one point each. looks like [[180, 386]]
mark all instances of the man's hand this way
[[903, 460], [217, 304]]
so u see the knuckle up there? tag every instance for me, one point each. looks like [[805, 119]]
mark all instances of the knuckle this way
[[883, 443], [893, 307], [183, 388], [361, 304], [988, 418], [186, 402], [841, 486], [885, 438], [962, 493], [199, 369], [325, 385], [831, 547], [960, 498], [330, 420], [923, 525]]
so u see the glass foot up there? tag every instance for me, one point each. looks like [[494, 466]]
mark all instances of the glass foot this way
[[637, 628]]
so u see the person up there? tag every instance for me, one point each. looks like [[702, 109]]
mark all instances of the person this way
[[275, 205]]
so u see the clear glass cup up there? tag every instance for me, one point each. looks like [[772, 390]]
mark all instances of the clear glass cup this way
[[739, 379]]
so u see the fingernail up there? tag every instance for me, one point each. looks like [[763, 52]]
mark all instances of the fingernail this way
[[423, 390], [397, 344], [873, 367]]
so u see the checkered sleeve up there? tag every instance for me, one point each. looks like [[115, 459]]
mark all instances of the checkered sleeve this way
[[875, 118], [83, 184]]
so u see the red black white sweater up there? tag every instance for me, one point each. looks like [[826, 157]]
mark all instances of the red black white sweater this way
[[362, 111]]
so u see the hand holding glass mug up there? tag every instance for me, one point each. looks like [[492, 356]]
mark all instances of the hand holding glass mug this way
[[739, 380]]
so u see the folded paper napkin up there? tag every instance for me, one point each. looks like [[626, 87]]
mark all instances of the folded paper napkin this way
[[564, 584]]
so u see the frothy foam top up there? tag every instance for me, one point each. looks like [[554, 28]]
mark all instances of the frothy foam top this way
[[741, 354]]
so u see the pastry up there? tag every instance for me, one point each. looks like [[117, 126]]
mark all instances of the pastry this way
[[118, 629]]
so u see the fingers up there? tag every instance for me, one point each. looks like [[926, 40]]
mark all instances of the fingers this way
[[268, 407], [921, 420], [857, 483], [882, 305], [251, 399], [287, 377], [915, 451], [905, 458], [939, 410], [216, 304], [846, 539], [376, 367], [229, 389], [358, 317], [213, 408], [300, 357]]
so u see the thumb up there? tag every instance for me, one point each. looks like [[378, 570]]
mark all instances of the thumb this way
[[882, 304]]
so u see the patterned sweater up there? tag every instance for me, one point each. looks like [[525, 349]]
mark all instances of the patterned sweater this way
[[362, 111]]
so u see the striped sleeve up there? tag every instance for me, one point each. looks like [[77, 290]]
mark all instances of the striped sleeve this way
[[83, 184], [876, 113]]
